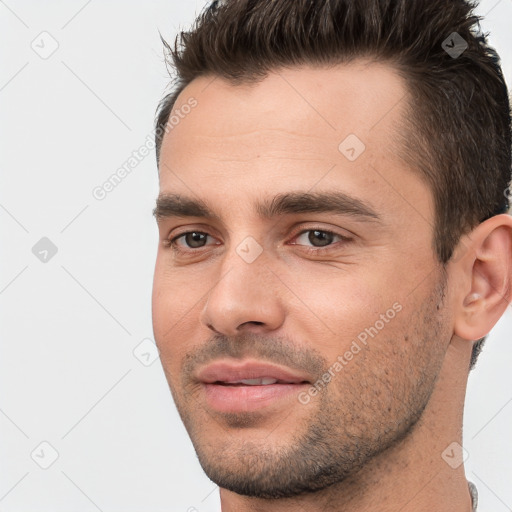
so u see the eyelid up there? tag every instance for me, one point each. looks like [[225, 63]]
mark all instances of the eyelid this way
[[329, 232], [322, 250], [345, 234], [172, 240], [176, 232]]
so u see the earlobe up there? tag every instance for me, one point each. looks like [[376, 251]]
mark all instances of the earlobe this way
[[486, 270]]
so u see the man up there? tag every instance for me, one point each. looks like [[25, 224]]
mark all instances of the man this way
[[334, 247]]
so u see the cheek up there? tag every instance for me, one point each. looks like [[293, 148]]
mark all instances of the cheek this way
[[172, 311], [175, 292], [332, 304], [342, 302]]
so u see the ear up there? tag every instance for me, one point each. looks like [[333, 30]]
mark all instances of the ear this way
[[484, 267]]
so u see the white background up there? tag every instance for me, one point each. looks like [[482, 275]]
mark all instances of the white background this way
[[68, 375]]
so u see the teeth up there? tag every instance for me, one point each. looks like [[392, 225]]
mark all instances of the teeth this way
[[265, 381]]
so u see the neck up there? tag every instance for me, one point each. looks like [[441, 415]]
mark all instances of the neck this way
[[417, 474]]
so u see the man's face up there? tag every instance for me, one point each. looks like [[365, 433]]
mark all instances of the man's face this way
[[298, 341]]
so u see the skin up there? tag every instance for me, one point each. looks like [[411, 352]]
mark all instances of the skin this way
[[386, 418]]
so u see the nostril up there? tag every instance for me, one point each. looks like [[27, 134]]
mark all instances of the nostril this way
[[252, 322], [210, 326]]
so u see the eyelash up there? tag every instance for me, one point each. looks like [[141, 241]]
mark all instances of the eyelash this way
[[172, 242]]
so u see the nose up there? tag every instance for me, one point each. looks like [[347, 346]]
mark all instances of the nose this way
[[245, 297]]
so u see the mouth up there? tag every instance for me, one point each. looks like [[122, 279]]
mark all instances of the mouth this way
[[263, 381], [249, 386]]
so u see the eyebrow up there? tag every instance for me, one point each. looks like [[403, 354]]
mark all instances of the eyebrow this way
[[175, 205]]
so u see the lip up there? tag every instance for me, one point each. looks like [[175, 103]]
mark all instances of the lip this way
[[224, 371], [223, 395]]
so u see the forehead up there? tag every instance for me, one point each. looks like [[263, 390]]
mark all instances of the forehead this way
[[300, 128], [362, 97]]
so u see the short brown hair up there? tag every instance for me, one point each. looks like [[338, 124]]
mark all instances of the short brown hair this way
[[459, 111]]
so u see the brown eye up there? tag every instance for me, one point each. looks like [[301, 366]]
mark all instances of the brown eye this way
[[324, 237], [318, 242], [317, 237], [191, 240], [194, 239]]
